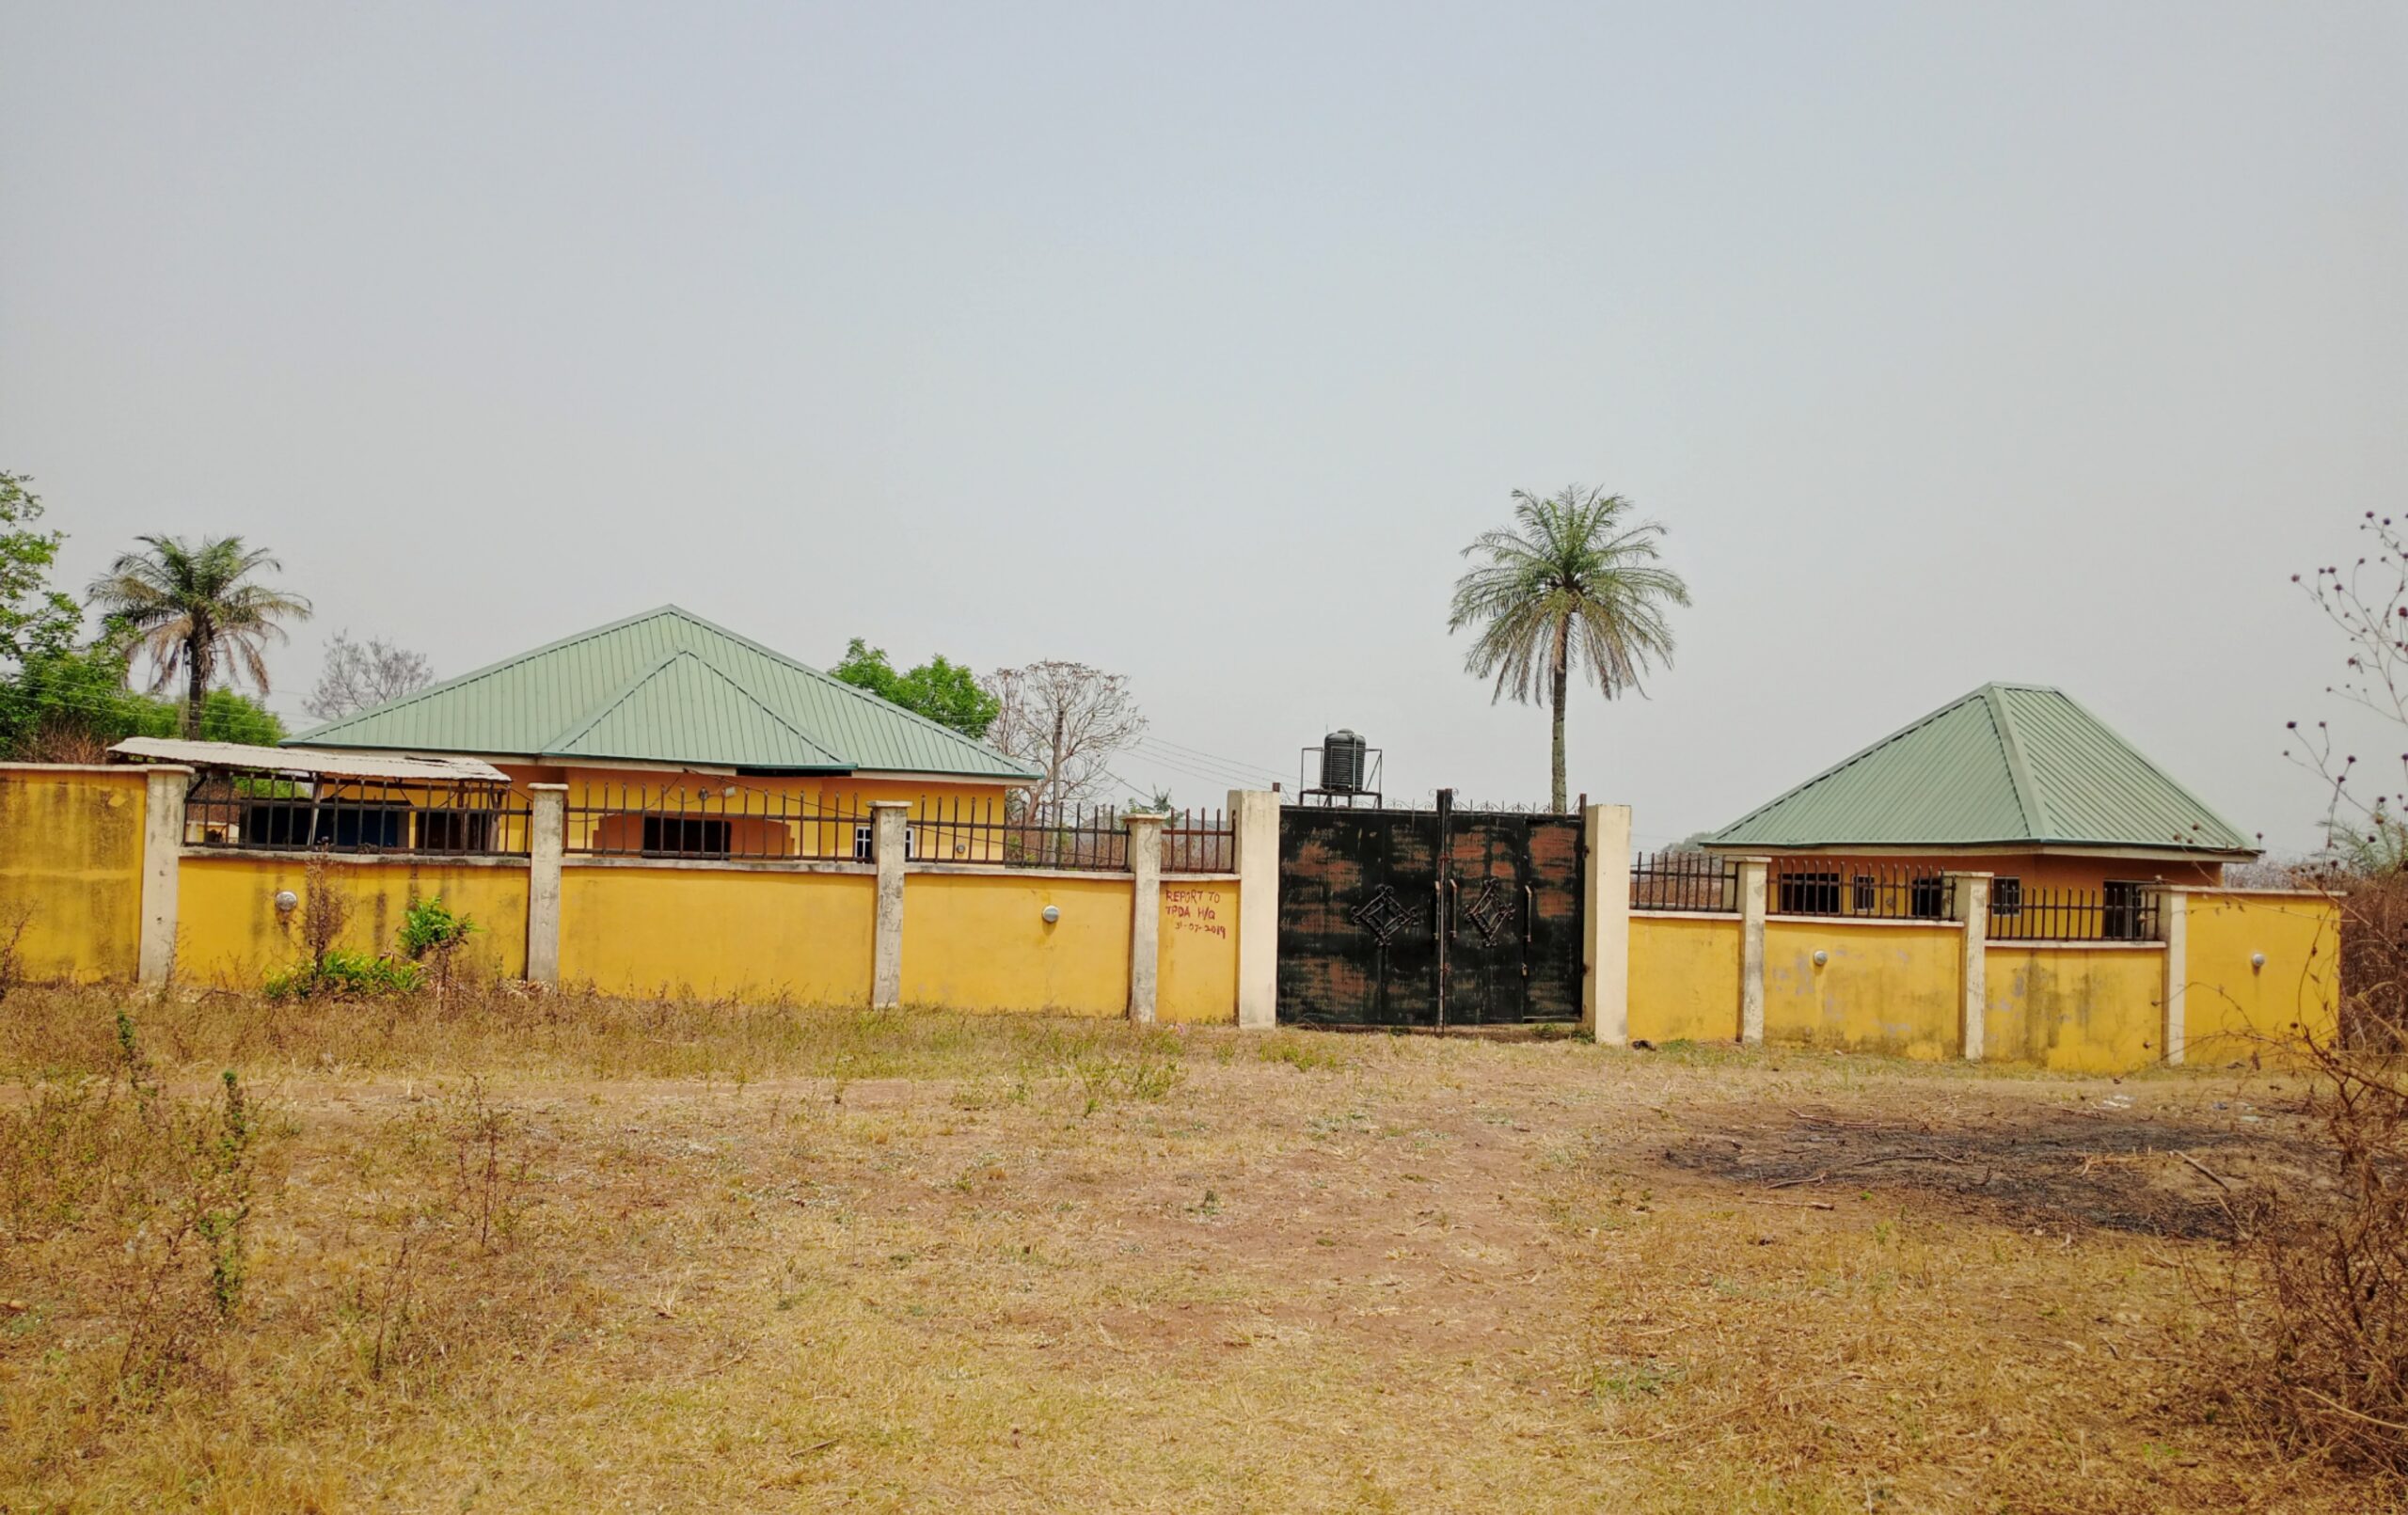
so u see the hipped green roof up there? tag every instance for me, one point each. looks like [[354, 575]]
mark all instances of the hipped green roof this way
[[2009, 765], [667, 687]]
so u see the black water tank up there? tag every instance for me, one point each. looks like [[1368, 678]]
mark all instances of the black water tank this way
[[1344, 757]]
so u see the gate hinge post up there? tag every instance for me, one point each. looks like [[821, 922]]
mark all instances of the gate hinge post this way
[[1604, 921], [1254, 817]]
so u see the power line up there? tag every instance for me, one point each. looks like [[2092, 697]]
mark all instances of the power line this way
[[1222, 776], [1197, 751], [1204, 764]]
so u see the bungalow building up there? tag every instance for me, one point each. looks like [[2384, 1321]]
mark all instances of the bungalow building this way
[[2014, 780], [677, 737]]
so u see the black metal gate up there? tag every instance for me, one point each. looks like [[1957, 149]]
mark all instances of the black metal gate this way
[[1427, 918]]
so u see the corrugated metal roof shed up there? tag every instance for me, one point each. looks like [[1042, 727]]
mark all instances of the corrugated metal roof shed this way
[[2009, 765], [301, 760], [668, 686]]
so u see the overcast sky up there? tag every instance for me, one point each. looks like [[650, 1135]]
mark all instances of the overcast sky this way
[[2033, 343]]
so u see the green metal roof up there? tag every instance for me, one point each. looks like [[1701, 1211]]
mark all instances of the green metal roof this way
[[666, 686], [2015, 765]]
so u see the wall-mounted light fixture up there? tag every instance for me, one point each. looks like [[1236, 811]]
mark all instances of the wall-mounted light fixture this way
[[287, 902], [1053, 913], [1821, 957], [2257, 961]]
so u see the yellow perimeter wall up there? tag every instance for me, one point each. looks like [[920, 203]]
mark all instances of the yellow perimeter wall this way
[[1198, 976], [804, 937], [2228, 1002], [2077, 1009], [1892, 987], [1685, 978], [71, 870], [973, 941], [229, 932]]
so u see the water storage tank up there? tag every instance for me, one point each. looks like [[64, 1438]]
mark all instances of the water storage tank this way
[[1343, 758]]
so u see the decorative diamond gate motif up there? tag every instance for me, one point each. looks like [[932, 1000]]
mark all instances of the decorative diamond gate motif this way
[[1384, 915], [1490, 912]]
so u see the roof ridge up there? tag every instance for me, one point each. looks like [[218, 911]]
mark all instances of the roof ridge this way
[[1851, 760], [463, 680], [2151, 764], [833, 682], [558, 745], [2036, 819]]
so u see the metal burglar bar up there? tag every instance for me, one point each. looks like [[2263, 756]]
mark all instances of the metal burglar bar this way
[[1850, 885], [730, 822], [953, 829], [2120, 912], [1683, 882], [1199, 842], [267, 811]]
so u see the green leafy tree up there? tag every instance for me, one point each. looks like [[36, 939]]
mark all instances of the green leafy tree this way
[[195, 607], [36, 620], [1571, 585], [71, 707], [943, 691]]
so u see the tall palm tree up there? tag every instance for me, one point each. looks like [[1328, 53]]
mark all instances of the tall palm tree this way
[[1573, 582], [193, 607]]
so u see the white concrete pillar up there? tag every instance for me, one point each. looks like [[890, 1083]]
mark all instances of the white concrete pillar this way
[[163, 849], [890, 820], [546, 840], [1752, 875], [1145, 913], [2174, 927], [1972, 905], [1254, 814], [1604, 901]]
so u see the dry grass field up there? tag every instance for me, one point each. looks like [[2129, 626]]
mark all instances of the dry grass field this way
[[553, 1252]]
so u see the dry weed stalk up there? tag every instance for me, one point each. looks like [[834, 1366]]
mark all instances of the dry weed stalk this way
[[13, 926]]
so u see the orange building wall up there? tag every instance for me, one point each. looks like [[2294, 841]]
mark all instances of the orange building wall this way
[[2037, 870]]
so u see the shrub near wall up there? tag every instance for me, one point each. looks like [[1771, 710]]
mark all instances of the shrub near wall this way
[[230, 933]]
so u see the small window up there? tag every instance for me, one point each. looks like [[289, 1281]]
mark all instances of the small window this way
[[2006, 897], [454, 830], [1927, 897], [1809, 894], [2125, 912], [1864, 896], [685, 836], [866, 843]]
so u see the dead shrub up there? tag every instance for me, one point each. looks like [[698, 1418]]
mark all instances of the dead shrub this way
[[2316, 1304], [453, 1215], [143, 1194]]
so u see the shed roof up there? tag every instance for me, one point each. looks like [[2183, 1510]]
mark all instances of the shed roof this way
[[2009, 765], [668, 686], [301, 760]]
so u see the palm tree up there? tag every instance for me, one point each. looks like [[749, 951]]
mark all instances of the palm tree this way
[[1574, 581], [193, 607]]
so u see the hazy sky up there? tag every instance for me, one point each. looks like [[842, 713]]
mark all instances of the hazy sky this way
[[2036, 343]]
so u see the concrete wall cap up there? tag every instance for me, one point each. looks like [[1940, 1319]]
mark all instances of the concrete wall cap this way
[[126, 769]]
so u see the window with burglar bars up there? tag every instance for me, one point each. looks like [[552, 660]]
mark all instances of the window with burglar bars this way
[[2124, 910], [1683, 882], [266, 810], [734, 822], [1815, 886]]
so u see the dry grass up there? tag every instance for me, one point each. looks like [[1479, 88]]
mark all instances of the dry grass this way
[[557, 1253]]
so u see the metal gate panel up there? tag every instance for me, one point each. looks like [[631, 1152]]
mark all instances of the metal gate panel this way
[[1427, 918]]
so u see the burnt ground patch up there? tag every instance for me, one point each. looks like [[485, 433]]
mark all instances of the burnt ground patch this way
[[2059, 1168]]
